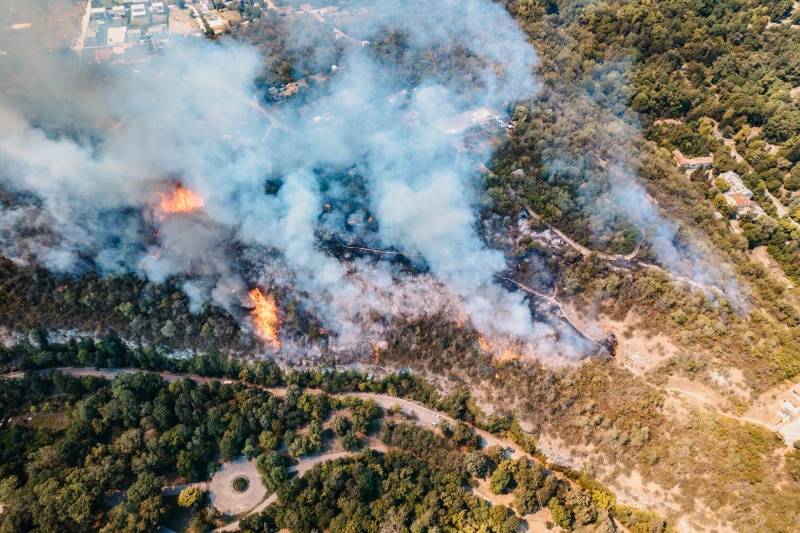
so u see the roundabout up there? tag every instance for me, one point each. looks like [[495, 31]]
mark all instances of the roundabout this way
[[236, 487]]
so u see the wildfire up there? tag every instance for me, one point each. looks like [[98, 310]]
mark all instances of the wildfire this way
[[376, 353], [181, 201], [506, 349], [265, 316]]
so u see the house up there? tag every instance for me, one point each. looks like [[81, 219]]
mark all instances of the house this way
[[134, 35], [116, 36], [155, 30], [464, 121], [691, 163], [218, 26], [97, 13], [139, 12], [742, 203], [294, 87], [736, 184], [102, 55]]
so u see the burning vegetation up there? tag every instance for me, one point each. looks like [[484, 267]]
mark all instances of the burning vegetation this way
[[181, 200], [504, 350], [265, 317]]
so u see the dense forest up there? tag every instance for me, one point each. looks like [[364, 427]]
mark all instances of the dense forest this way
[[71, 444]]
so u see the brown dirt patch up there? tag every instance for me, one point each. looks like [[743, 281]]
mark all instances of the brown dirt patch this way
[[761, 255], [182, 23]]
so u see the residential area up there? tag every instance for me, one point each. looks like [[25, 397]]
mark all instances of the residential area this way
[[129, 30]]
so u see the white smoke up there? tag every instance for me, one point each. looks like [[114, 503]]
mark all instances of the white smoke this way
[[190, 115]]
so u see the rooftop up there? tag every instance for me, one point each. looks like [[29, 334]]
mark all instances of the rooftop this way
[[691, 161], [116, 36], [466, 120], [740, 200]]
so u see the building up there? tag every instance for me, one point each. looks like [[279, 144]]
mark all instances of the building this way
[[155, 30], [119, 12], [103, 54], [743, 204], [116, 36], [218, 25], [97, 13], [464, 121], [157, 8], [134, 35], [693, 162], [736, 184], [138, 12]]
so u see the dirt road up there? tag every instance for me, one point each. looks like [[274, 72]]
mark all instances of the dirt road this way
[[584, 251], [84, 28]]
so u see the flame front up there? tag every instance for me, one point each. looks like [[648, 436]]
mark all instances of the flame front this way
[[181, 201], [504, 346], [265, 316]]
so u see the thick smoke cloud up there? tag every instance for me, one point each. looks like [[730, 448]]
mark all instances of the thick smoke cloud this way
[[90, 162]]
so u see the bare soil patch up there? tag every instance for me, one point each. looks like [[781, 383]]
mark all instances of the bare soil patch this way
[[761, 255], [182, 23]]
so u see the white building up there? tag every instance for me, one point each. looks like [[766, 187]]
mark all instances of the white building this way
[[138, 11], [736, 184]]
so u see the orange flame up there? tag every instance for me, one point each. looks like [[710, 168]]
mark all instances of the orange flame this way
[[181, 201], [483, 343], [376, 354], [265, 316], [509, 352]]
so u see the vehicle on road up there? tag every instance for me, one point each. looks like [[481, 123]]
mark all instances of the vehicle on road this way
[[510, 449]]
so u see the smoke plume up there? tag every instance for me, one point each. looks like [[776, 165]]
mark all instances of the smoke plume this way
[[89, 151]]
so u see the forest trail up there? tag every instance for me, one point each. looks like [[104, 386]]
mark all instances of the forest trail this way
[[584, 251], [718, 411]]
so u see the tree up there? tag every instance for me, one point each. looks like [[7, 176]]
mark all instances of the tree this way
[[477, 464], [500, 481], [340, 425], [350, 441], [272, 468], [190, 497], [145, 486], [561, 515], [496, 453]]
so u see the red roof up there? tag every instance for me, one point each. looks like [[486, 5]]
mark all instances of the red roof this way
[[682, 160], [102, 55], [740, 199]]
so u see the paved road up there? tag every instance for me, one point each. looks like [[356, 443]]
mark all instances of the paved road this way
[[424, 416], [303, 466]]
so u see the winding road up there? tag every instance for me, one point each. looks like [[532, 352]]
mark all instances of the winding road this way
[[424, 416]]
